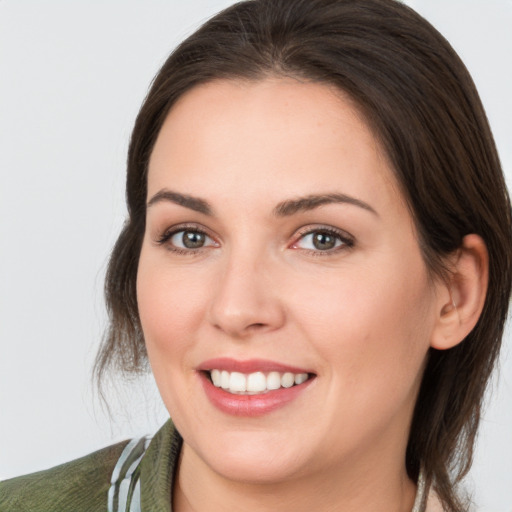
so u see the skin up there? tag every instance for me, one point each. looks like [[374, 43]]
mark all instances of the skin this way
[[360, 316]]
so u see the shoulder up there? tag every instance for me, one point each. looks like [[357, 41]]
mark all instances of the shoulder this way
[[79, 485]]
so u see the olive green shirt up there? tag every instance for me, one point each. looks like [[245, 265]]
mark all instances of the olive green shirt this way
[[99, 483]]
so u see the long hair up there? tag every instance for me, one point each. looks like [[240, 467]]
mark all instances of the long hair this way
[[421, 102]]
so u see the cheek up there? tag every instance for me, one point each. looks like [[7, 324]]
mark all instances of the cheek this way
[[169, 308], [170, 311], [370, 325]]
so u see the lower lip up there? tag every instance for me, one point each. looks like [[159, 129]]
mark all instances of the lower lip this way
[[250, 405]]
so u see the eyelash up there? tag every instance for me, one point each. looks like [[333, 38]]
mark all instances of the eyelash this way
[[346, 240], [192, 228]]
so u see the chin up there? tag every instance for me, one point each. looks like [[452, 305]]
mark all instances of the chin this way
[[253, 458], [270, 470]]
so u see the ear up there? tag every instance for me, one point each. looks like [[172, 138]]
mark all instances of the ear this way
[[461, 297]]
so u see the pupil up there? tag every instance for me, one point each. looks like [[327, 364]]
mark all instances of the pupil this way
[[193, 239], [323, 241]]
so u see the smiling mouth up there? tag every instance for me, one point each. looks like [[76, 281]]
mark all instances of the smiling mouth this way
[[255, 383]]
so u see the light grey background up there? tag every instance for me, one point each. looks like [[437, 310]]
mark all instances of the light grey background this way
[[72, 76]]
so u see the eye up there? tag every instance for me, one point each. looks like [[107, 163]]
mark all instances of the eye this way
[[323, 240], [190, 239]]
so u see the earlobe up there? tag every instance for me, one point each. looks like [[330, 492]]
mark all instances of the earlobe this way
[[462, 296]]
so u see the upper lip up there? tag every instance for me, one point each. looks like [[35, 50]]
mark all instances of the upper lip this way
[[249, 366]]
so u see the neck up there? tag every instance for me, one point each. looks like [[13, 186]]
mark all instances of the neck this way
[[360, 486]]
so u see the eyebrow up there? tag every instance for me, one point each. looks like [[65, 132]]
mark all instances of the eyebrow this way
[[311, 202], [193, 203], [283, 209]]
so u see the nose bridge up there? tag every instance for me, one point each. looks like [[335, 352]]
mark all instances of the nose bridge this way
[[245, 300]]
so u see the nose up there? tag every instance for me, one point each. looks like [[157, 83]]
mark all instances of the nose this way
[[246, 300]]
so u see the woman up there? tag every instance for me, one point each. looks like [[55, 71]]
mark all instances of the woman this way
[[316, 265]]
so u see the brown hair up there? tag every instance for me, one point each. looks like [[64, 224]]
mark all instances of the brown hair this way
[[419, 98]]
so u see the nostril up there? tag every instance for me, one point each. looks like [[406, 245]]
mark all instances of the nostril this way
[[256, 326]]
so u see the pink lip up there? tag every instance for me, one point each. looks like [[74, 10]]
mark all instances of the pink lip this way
[[249, 366], [249, 405]]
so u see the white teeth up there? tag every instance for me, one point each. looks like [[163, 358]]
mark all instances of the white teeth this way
[[273, 380], [257, 382], [237, 382], [224, 380], [287, 380], [216, 379], [300, 378]]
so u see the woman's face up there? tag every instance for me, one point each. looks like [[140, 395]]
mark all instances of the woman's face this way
[[279, 251]]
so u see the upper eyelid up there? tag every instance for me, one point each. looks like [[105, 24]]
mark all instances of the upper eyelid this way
[[187, 226], [296, 235], [166, 234], [312, 228]]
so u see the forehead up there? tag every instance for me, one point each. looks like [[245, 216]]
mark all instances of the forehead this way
[[277, 135]]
